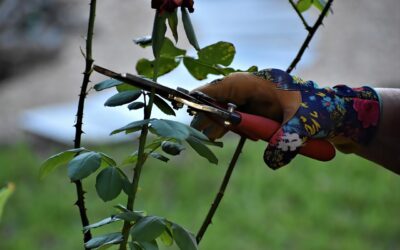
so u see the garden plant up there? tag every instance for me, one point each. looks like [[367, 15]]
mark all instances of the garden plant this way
[[158, 138]]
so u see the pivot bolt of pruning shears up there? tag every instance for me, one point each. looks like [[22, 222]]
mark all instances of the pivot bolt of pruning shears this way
[[231, 109]]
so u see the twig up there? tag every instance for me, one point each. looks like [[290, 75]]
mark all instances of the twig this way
[[208, 220], [308, 28], [79, 116], [310, 35]]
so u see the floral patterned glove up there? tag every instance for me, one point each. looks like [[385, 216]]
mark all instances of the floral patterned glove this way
[[341, 114], [340, 111]]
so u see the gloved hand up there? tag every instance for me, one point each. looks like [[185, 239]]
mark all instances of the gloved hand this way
[[348, 117]]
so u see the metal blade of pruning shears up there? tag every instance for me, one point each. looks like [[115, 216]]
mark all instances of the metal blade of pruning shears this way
[[179, 97]]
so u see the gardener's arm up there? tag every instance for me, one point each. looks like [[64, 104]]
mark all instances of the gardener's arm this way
[[384, 148]]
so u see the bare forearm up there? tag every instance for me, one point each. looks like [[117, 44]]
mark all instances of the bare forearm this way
[[384, 148]]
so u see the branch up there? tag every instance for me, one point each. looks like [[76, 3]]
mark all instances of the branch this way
[[308, 28], [208, 220], [309, 37], [79, 116]]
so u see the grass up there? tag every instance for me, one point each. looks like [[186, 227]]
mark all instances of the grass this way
[[348, 203]]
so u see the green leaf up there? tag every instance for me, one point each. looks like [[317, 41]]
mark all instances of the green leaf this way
[[5, 193], [158, 34], [169, 50], [217, 53], [172, 148], [125, 87], [109, 183], [166, 62], [131, 159], [151, 245], [148, 228], [187, 25], [101, 223], [319, 4], [146, 68], [200, 70], [197, 134], [121, 208], [226, 71], [104, 247], [107, 160], [213, 143], [130, 216], [202, 138], [166, 237], [136, 105], [57, 160], [184, 239], [107, 239], [173, 24], [159, 157], [126, 184], [202, 149], [132, 127], [303, 5], [252, 69], [83, 165], [170, 129], [163, 106], [143, 41], [134, 246], [122, 98], [109, 83], [154, 144]]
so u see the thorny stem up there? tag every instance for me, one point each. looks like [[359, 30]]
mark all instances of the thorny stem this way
[[308, 28], [310, 35], [79, 116], [208, 220]]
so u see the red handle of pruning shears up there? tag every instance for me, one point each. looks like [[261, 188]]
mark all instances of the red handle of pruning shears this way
[[256, 127]]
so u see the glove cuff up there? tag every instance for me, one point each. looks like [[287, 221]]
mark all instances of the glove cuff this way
[[363, 109]]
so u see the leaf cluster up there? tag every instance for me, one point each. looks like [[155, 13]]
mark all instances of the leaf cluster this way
[[145, 232], [171, 137], [304, 5]]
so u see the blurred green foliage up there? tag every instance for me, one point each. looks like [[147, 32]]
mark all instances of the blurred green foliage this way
[[347, 203]]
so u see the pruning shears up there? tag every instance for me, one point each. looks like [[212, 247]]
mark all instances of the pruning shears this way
[[251, 126]]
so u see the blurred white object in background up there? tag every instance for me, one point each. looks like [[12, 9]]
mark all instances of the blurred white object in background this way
[[263, 38]]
